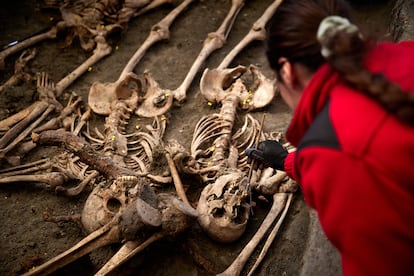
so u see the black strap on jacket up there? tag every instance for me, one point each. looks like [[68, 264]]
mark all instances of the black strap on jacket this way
[[321, 133]]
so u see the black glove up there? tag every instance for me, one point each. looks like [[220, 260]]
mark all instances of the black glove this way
[[269, 153]]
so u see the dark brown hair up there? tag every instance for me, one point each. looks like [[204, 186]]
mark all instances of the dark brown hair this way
[[291, 33]]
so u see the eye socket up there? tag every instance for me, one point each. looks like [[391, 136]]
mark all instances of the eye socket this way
[[113, 205]]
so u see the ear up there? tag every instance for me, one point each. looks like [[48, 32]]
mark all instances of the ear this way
[[286, 72]]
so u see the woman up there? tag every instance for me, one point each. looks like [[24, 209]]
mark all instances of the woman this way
[[353, 126]]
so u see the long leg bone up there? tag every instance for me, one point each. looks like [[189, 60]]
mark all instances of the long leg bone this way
[[153, 4], [134, 8], [35, 111], [256, 32], [272, 235], [106, 235], [236, 267], [285, 188], [53, 179], [102, 95], [23, 134], [7, 123], [159, 32], [126, 252], [51, 34], [214, 41], [173, 218], [102, 49], [173, 227]]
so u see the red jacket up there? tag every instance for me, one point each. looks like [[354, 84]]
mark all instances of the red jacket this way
[[355, 165]]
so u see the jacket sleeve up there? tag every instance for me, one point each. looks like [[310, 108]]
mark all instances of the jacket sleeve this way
[[289, 165], [354, 202]]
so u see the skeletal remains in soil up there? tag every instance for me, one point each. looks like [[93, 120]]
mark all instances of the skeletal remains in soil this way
[[156, 101], [92, 22], [117, 163], [142, 215], [20, 70], [17, 127]]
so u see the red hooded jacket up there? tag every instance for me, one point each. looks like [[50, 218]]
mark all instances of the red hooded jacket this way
[[355, 165]]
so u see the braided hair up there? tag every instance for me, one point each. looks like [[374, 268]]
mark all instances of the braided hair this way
[[291, 33]]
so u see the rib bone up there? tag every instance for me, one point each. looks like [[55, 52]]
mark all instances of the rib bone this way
[[216, 129], [224, 205]]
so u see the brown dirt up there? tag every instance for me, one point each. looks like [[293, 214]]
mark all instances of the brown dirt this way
[[27, 240]]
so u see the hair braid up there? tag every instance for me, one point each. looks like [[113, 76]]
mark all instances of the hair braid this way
[[344, 48]]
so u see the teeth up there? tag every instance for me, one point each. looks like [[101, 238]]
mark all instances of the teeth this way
[[221, 207]]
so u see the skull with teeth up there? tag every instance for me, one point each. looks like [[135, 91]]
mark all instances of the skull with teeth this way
[[224, 207]]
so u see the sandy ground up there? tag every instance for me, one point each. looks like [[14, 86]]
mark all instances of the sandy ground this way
[[27, 240]]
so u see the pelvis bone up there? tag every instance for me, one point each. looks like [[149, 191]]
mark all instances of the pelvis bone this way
[[101, 96], [224, 208], [214, 86]]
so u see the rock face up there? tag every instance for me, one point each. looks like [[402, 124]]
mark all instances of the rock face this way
[[320, 257], [402, 22]]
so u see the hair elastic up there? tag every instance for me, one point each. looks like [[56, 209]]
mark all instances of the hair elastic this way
[[329, 27]]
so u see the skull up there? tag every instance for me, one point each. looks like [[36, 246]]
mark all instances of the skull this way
[[105, 202], [223, 207]]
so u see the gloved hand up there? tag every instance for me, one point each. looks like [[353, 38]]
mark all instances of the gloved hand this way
[[269, 153]]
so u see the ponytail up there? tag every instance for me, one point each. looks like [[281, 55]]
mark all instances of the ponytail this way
[[344, 48]]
